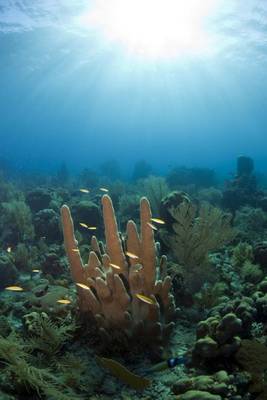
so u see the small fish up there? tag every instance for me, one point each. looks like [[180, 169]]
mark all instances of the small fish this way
[[103, 189], [145, 299], [115, 266], [9, 249], [127, 377], [63, 301], [169, 363], [36, 270], [83, 286], [14, 288], [131, 255], [186, 198], [158, 221], [84, 225], [76, 250], [92, 228], [138, 268], [84, 190], [152, 226]]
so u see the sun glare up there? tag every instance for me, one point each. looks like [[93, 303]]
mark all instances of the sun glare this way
[[154, 28]]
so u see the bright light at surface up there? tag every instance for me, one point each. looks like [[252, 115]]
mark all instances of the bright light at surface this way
[[154, 28]]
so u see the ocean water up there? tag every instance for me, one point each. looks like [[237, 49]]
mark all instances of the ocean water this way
[[133, 224], [78, 86]]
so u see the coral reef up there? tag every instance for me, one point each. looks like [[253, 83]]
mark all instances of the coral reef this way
[[105, 327], [182, 176], [46, 224], [252, 356], [217, 338], [260, 254], [16, 218], [52, 263], [243, 190], [210, 195], [171, 201], [38, 199], [88, 178], [206, 387], [241, 253], [27, 377], [8, 271], [88, 212], [155, 188], [115, 276], [197, 232], [128, 208], [251, 224]]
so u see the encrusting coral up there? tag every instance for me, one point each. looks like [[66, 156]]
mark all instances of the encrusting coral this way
[[119, 271]]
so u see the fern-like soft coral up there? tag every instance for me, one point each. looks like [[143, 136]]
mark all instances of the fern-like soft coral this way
[[19, 364], [12, 348], [197, 232], [46, 335], [17, 216]]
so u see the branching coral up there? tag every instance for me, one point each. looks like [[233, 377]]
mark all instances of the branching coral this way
[[46, 335], [19, 365], [119, 271], [197, 232]]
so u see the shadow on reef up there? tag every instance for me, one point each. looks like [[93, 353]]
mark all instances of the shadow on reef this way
[[111, 317]]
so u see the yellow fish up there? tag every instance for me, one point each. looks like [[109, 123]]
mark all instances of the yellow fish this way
[[14, 288], [36, 270], [145, 299], [152, 226], [158, 221], [76, 250], [83, 286], [138, 268], [92, 228], [131, 255], [84, 225], [84, 191], [9, 249], [115, 266], [103, 189], [127, 377], [63, 301]]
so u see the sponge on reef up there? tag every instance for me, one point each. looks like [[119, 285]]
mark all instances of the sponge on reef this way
[[119, 271]]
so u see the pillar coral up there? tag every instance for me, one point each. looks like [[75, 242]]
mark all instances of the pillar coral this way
[[111, 293]]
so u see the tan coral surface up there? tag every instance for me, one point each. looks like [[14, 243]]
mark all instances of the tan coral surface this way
[[111, 292]]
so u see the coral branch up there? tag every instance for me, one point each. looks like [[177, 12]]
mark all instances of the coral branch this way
[[111, 292]]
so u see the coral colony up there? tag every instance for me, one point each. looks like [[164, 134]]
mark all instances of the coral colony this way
[[96, 306]]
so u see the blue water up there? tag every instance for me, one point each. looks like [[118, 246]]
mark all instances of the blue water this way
[[68, 94]]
